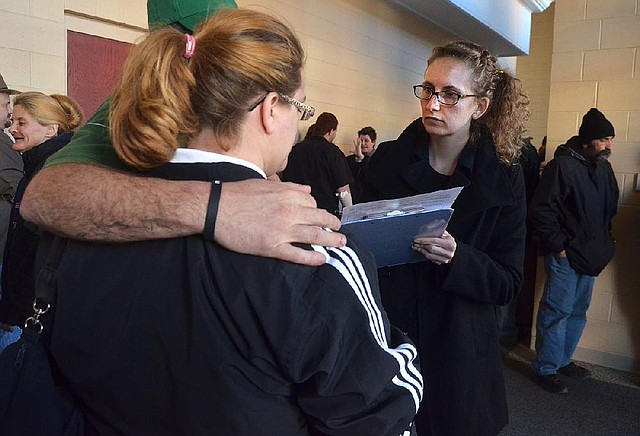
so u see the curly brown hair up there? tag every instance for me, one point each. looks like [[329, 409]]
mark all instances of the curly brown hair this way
[[508, 109]]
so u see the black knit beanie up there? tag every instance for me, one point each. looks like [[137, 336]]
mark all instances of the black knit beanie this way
[[595, 126]]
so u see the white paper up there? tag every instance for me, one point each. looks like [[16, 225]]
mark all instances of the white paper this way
[[401, 206]]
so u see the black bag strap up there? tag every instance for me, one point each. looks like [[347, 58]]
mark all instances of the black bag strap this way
[[45, 285]]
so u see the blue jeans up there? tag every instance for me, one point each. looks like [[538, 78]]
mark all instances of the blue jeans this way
[[8, 338], [562, 314]]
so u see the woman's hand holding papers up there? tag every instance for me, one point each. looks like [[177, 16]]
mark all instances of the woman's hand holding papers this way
[[438, 250]]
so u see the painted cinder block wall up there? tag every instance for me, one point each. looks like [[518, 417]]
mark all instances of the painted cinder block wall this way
[[534, 70], [362, 56], [596, 63], [33, 42]]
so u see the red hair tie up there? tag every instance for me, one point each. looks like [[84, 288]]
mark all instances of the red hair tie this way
[[190, 47]]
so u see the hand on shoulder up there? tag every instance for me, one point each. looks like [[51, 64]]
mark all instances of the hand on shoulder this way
[[265, 218]]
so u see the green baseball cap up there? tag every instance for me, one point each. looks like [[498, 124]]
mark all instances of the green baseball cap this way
[[189, 13]]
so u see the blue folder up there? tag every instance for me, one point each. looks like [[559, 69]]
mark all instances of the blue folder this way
[[389, 238], [387, 228]]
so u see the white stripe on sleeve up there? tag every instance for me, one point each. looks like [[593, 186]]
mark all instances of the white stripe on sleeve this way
[[350, 267]]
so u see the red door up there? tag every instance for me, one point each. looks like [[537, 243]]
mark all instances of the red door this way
[[93, 68]]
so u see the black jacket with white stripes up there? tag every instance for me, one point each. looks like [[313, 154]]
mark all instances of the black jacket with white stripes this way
[[182, 336]]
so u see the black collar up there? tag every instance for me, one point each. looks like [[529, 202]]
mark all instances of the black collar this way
[[478, 170]]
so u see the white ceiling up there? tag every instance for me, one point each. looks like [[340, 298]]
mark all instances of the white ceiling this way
[[503, 26]]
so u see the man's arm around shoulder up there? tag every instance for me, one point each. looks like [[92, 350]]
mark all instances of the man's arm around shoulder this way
[[95, 203], [256, 217]]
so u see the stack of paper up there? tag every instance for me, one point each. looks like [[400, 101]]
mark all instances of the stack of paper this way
[[388, 227]]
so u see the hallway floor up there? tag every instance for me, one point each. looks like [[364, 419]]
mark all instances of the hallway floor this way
[[607, 404]]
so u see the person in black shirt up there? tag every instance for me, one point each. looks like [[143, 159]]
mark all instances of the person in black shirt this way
[[319, 163], [182, 336], [42, 124], [363, 148], [446, 303], [571, 212]]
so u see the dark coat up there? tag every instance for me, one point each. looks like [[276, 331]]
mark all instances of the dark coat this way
[[449, 309], [18, 280], [320, 164], [357, 171], [573, 206], [181, 336], [10, 175]]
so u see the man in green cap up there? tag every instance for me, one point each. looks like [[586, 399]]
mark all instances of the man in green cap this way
[[184, 15], [86, 192]]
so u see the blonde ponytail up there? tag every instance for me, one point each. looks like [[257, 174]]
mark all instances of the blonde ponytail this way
[[150, 108]]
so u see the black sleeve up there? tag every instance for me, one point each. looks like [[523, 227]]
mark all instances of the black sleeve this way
[[339, 169], [358, 374], [545, 207], [493, 275], [369, 179]]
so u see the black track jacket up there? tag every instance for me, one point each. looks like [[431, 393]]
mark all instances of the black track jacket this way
[[184, 337]]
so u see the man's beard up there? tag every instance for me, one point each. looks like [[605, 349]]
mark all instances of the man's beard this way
[[7, 123], [592, 154]]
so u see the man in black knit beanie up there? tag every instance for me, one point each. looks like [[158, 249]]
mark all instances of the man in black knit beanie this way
[[571, 211]]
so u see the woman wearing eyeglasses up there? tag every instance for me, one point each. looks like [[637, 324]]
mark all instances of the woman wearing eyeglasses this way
[[183, 337], [473, 116]]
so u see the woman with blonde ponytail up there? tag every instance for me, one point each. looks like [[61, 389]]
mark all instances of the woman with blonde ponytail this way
[[469, 135], [181, 336], [42, 124]]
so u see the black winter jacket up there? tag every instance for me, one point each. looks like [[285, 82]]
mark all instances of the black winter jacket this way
[[449, 309], [18, 286], [183, 337], [573, 206]]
